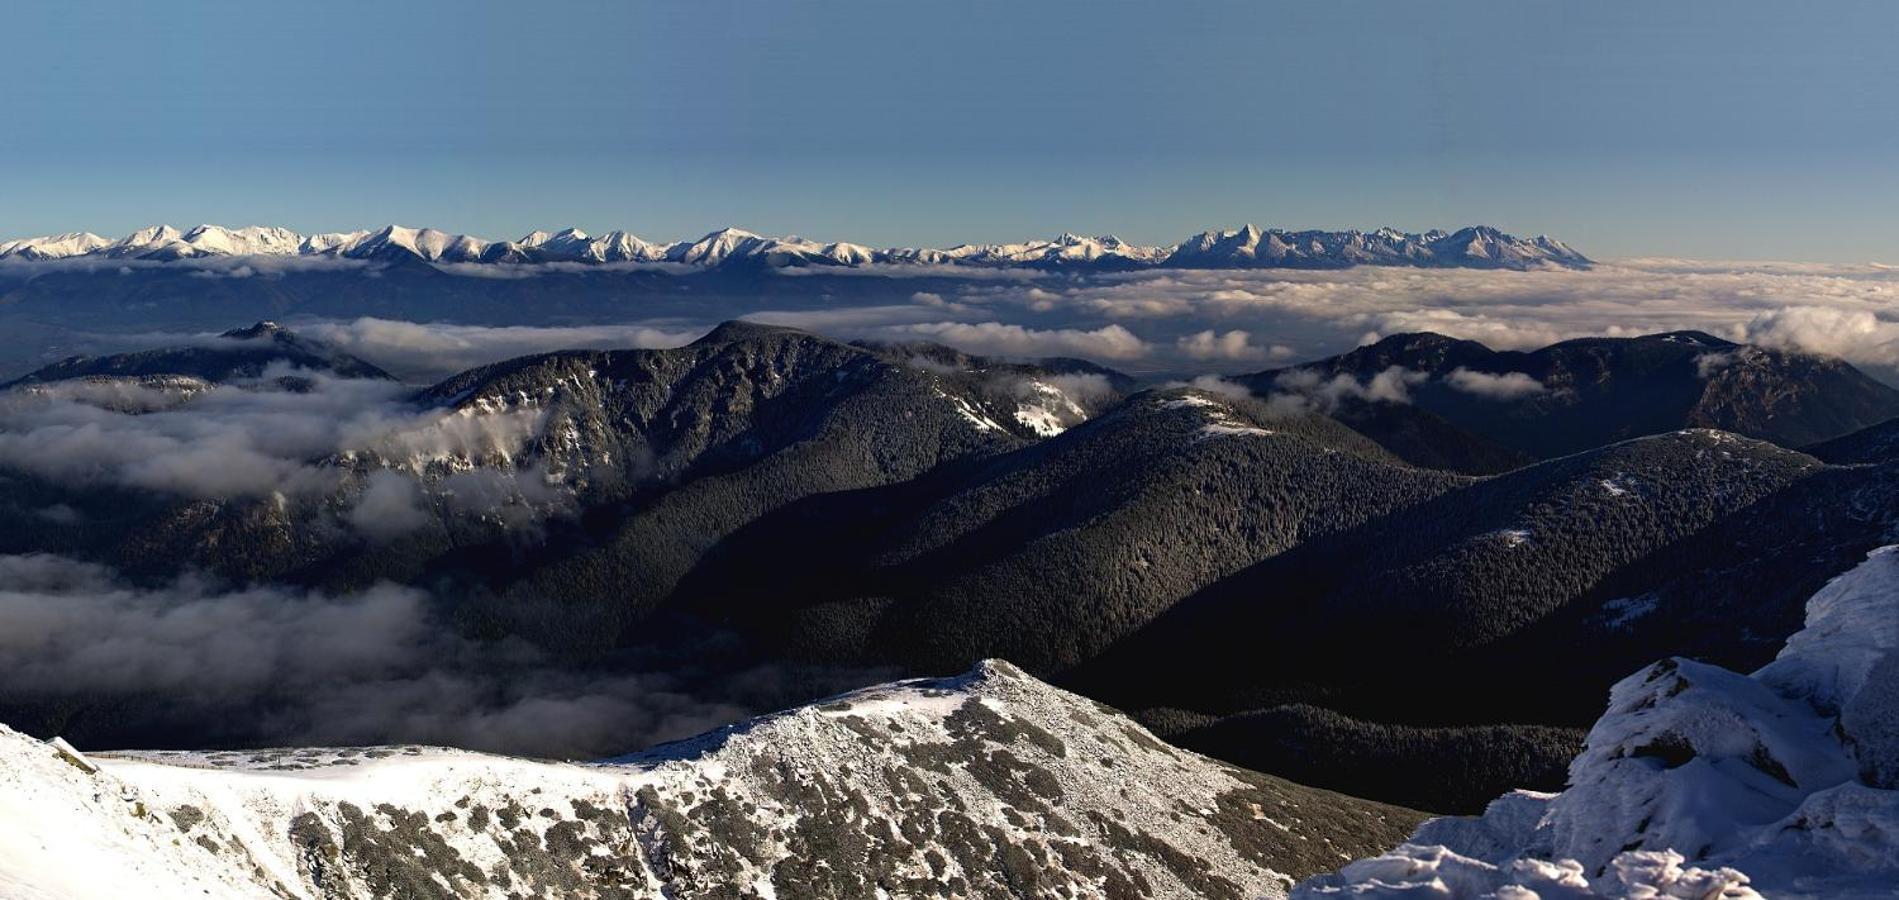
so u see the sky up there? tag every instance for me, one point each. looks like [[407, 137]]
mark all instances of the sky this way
[[1717, 130]]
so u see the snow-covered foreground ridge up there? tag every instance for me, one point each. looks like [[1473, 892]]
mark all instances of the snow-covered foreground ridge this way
[[1701, 782], [990, 784], [1248, 247]]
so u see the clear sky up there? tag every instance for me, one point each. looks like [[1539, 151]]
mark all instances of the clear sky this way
[[1710, 129]]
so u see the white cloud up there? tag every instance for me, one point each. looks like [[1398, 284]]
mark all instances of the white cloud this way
[[1709, 363], [1856, 334], [1838, 309], [1040, 300], [1214, 384], [280, 665], [1507, 386], [391, 505], [845, 321], [519, 271], [1230, 345], [432, 351], [997, 339], [1393, 385], [1500, 333], [256, 441]]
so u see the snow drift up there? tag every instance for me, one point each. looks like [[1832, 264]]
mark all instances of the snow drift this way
[[1701, 782]]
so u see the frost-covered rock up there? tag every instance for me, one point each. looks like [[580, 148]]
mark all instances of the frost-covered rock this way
[[1701, 782], [990, 784]]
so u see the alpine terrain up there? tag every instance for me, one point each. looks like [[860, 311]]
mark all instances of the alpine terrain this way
[[1703, 782], [986, 784]]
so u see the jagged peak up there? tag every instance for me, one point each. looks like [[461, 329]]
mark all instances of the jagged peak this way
[[729, 232]]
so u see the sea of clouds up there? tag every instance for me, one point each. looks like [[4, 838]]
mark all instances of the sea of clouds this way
[[383, 664], [1230, 321]]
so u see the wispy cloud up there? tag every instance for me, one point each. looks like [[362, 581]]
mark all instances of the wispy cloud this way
[[1109, 342], [324, 441], [1236, 345], [1393, 385], [430, 351], [1507, 386]]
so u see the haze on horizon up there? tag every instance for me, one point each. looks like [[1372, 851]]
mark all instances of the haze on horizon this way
[[1701, 129]]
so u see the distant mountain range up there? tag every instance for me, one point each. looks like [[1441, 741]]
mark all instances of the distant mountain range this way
[[1249, 247]]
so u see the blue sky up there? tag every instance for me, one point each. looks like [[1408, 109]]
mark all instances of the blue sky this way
[[1709, 129]]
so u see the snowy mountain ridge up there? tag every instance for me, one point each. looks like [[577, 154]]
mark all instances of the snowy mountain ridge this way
[[1247, 247], [1702, 782], [986, 784]]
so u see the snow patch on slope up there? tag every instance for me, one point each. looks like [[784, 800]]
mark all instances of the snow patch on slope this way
[[1221, 420]]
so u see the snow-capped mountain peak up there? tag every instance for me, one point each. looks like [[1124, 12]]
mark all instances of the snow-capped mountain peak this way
[[54, 246], [1246, 247]]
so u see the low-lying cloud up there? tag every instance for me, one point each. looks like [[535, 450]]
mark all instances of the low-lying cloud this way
[[1507, 386], [257, 441], [1856, 334], [417, 351], [1185, 322], [1109, 342], [279, 665], [1393, 385], [1191, 315], [1234, 345]]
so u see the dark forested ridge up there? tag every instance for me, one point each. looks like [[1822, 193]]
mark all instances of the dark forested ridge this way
[[238, 353], [1584, 393], [1047, 554], [1447, 566], [1412, 618]]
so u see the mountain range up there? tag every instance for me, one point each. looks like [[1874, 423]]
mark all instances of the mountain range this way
[[1408, 573], [1247, 247], [907, 505]]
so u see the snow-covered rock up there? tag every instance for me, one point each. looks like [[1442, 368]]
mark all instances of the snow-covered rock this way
[[1702, 782], [984, 785]]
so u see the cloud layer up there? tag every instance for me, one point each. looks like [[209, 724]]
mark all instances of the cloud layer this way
[[1230, 321], [429, 352], [277, 665], [393, 465], [1109, 342], [1508, 386]]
